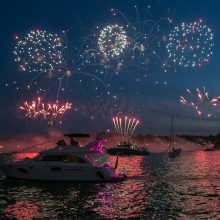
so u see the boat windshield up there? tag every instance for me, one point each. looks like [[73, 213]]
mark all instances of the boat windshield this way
[[94, 159]]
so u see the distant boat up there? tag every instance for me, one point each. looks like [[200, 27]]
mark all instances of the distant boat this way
[[216, 148], [128, 148], [212, 148], [209, 149], [173, 151]]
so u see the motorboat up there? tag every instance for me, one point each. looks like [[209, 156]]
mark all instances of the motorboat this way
[[64, 162], [128, 148], [216, 147], [208, 146], [209, 149]]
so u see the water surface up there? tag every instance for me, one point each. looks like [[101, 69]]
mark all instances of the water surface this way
[[158, 187]]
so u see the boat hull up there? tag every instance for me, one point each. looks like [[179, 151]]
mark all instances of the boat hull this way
[[175, 152], [209, 149], [58, 173], [216, 148]]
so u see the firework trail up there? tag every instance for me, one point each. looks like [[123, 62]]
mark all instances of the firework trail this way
[[126, 125], [115, 125], [105, 108], [136, 123]]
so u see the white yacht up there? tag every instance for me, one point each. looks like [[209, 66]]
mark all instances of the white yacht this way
[[63, 163]]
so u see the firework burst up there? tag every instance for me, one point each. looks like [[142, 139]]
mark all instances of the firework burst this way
[[200, 102], [112, 41], [146, 36], [36, 109], [128, 46], [40, 52], [190, 44]]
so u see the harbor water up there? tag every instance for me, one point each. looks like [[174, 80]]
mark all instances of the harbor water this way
[[157, 187]]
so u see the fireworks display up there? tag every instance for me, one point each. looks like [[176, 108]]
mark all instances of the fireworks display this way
[[40, 52], [200, 102], [101, 68], [49, 112], [112, 41], [190, 44], [126, 125]]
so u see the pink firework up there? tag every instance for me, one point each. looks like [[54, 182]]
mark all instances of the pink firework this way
[[200, 102], [50, 112], [125, 125]]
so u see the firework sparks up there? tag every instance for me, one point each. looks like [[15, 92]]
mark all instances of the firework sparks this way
[[50, 112], [190, 44], [112, 41], [40, 52], [133, 47], [200, 102], [125, 126], [146, 36]]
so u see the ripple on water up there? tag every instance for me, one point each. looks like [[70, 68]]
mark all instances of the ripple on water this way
[[187, 187]]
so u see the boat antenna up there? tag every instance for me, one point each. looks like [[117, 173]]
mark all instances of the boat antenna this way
[[171, 133], [116, 162]]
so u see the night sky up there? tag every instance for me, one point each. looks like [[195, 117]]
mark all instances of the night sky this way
[[147, 92]]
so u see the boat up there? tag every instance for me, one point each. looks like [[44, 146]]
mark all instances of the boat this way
[[216, 148], [209, 149], [173, 151], [64, 162], [128, 148]]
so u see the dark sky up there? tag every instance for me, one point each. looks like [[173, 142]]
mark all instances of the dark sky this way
[[152, 99]]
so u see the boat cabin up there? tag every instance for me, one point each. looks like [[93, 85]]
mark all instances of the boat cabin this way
[[62, 158]]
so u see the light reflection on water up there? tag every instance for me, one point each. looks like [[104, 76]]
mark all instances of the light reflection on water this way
[[158, 187]]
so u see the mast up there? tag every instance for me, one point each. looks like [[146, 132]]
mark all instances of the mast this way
[[171, 134]]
